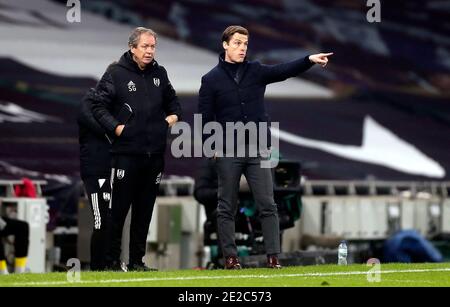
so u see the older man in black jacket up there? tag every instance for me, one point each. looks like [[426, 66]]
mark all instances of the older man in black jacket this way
[[233, 92], [140, 86]]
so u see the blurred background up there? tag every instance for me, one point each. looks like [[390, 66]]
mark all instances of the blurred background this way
[[364, 143]]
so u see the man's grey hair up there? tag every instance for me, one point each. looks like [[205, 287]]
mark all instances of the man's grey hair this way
[[133, 40]]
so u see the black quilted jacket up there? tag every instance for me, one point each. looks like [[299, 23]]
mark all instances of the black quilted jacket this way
[[151, 97]]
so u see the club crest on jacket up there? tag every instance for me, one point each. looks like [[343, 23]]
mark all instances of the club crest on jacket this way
[[106, 196], [158, 178], [120, 173]]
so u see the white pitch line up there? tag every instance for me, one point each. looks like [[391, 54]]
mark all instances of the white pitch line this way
[[104, 281], [411, 281]]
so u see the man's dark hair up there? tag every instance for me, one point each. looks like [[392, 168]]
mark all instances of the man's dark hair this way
[[231, 30]]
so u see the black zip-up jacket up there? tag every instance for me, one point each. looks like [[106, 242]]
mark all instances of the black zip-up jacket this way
[[151, 97], [95, 159], [224, 97]]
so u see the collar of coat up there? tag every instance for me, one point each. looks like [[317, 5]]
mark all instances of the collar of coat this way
[[241, 70], [126, 61], [222, 61]]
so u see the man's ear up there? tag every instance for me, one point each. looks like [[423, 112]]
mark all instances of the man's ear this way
[[225, 45], [132, 49]]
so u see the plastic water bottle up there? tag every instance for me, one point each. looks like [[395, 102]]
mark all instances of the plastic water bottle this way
[[342, 253]]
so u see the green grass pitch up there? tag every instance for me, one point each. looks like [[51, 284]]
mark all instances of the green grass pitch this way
[[391, 275]]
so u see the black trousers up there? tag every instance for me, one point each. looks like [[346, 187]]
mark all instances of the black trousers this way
[[135, 183], [20, 230], [260, 181], [98, 191]]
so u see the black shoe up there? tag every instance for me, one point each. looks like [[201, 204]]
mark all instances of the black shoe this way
[[140, 268], [116, 266]]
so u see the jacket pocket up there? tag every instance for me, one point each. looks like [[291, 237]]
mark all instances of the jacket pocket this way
[[125, 114], [124, 132], [125, 135]]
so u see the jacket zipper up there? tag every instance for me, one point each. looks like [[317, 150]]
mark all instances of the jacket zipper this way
[[146, 100]]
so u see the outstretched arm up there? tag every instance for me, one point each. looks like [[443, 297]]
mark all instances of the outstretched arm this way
[[280, 72], [320, 58]]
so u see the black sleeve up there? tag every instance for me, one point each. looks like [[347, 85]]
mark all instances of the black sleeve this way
[[206, 104], [171, 104], [103, 102], [281, 72], [85, 116]]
